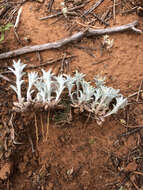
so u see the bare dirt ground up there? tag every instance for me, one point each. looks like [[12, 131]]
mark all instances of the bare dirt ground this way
[[79, 155]]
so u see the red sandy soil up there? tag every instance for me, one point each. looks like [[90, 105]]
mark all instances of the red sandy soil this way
[[80, 155]]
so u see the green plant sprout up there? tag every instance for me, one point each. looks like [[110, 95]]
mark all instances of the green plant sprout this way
[[4, 28]]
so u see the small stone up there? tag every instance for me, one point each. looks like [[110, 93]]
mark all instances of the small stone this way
[[132, 166], [22, 167], [27, 39], [5, 170], [50, 186], [7, 154], [29, 173]]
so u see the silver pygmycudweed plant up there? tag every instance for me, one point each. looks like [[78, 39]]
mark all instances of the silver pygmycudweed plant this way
[[101, 101], [48, 87]]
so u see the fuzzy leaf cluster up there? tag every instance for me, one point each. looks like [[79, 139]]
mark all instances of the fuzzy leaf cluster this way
[[100, 100], [46, 90]]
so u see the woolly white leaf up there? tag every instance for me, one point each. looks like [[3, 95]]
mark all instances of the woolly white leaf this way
[[61, 86], [14, 88], [99, 81], [81, 97], [78, 79], [108, 94], [70, 84], [120, 103], [97, 94], [32, 78], [47, 78], [18, 72], [88, 90]]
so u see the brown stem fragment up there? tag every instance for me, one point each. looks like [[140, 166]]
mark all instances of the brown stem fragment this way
[[60, 12], [93, 7], [75, 37]]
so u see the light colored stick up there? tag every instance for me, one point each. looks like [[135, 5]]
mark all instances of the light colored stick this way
[[114, 11], [18, 18], [134, 94], [137, 99]]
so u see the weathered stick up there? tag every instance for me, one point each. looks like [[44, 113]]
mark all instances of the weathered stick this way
[[74, 37], [92, 8], [60, 12], [18, 18]]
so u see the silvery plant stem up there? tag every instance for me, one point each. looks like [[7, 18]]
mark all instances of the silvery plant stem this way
[[19, 92], [98, 107]]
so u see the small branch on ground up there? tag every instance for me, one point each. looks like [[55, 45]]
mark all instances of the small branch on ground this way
[[86, 49], [36, 130], [50, 62], [135, 130], [61, 13], [75, 37], [134, 94], [18, 18], [92, 8], [17, 36], [101, 61], [6, 78], [135, 127], [114, 11], [134, 9], [62, 64], [100, 19], [50, 4], [31, 142], [137, 99]]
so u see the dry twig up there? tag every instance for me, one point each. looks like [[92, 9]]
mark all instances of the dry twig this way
[[100, 20], [87, 50], [134, 94], [137, 129], [77, 36], [48, 122], [31, 143], [18, 18], [50, 62], [101, 61], [36, 130], [93, 7], [114, 11], [50, 4], [61, 13], [137, 99], [42, 126], [6, 78]]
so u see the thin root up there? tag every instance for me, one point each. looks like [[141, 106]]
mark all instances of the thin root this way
[[42, 126], [36, 129], [48, 121]]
